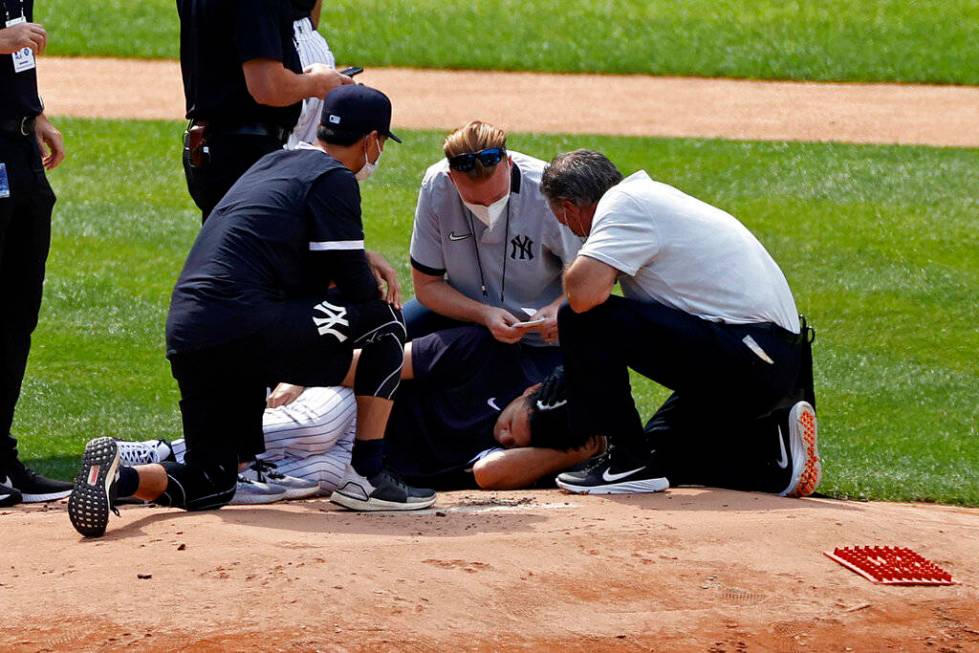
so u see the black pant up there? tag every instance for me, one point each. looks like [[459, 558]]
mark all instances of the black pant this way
[[720, 386], [25, 237], [229, 156], [223, 388]]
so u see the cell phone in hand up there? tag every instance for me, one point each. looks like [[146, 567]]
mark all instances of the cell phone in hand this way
[[351, 71]]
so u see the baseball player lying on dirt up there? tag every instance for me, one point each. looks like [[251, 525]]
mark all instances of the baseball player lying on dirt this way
[[468, 415]]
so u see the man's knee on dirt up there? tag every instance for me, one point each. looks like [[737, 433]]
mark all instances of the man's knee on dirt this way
[[202, 483]]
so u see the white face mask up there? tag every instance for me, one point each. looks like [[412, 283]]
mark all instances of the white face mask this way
[[489, 215], [368, 169]]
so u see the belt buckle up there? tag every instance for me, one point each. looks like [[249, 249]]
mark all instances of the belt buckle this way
[[24, 131]]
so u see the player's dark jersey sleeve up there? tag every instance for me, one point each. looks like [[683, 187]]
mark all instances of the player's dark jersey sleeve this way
[[256, 27], [454, 355], [336, 237]]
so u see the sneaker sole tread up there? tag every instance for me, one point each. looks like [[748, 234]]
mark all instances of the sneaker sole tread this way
[[88, 505], [803, 440]]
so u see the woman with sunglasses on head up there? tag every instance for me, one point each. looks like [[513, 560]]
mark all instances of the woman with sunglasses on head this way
[[486, 249]]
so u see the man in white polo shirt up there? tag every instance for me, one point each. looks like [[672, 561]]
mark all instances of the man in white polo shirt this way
[[706, 313], [485, 247]]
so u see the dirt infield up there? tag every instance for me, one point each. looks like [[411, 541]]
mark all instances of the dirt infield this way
[[600, 104], [691, 569]]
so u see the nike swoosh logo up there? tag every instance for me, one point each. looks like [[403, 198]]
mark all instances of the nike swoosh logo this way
[[492, 404], [609, 478], [454, 236], [783, 462], [6, 481]]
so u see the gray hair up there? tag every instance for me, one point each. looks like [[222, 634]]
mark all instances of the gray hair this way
[[581, 177]]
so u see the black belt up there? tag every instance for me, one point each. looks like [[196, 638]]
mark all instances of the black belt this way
[[18, 126], [806, 333], [277, 132]]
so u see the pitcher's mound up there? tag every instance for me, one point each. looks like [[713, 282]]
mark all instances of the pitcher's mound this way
[[690, 569]]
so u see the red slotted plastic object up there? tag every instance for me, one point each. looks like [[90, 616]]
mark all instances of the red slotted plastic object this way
[[891, 565]]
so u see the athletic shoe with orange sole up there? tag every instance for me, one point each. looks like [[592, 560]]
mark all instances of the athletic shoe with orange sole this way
[[800, 449]]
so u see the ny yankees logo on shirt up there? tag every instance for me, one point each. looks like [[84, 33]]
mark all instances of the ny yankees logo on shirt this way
[[334, 316], [522, 247]]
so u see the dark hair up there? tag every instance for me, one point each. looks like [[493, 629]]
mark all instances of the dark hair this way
[[550, 426], [340, 137], [581, 177]]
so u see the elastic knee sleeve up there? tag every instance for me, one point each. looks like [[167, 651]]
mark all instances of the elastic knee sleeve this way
[[376, 319], [379, 369]]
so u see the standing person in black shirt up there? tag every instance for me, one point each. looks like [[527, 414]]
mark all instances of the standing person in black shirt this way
[[244, 88], [254, 305], [28, 145]]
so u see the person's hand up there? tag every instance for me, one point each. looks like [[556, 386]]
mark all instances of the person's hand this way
[[499, 321], [326, 78], [548, 330], [387, 279], [23, 35], [284, 394], [51, 142], [596, 446]]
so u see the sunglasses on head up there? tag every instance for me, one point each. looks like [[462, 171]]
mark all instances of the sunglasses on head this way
[[488, 158]]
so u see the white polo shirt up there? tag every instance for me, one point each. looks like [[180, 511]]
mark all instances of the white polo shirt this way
[[520, 264], [676, 250]]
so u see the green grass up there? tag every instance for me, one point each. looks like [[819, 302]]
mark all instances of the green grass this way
[[881, 245], [854, 40]]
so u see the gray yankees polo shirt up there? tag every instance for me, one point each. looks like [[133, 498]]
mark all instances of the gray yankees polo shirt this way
[[519, 260]]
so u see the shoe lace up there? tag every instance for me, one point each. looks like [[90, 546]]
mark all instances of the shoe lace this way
[[134, 453], [265, 469], [599, 461], [396, 479]]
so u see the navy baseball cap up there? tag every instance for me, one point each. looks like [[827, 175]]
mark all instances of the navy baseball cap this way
[[359, 109]]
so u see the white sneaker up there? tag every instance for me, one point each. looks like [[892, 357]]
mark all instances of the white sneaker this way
[[384, 491], [148, 452], [252, 493], [262, 471]]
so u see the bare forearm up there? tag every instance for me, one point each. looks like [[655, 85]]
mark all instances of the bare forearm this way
[[272, 84], [446, 300], [282, 88], [314, 15], [588, 283], [519, 468]]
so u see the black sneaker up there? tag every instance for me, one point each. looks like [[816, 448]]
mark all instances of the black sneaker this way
[[798, 463], [615, 473], [383, 491], [33, 487], [9, 496], [95, 488]]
